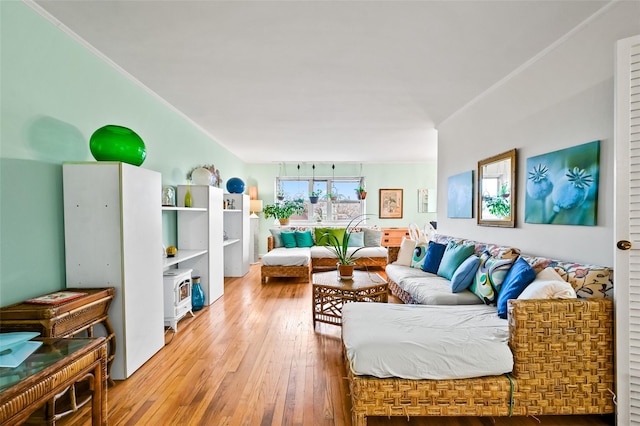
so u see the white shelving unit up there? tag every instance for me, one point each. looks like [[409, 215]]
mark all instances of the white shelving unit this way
[[111, 223], [200, 238], [237, 229]]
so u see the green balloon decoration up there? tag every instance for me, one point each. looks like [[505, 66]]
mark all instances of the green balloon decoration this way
[[117, 143]]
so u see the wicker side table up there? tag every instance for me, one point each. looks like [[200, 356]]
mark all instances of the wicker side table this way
[[66, 319], [330, 293]]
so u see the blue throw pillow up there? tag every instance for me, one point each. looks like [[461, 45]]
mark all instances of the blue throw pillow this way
[[518, 278], [356, 239], [453, 257], [463, 277], [432, 259], [288, 239], [304, 239]]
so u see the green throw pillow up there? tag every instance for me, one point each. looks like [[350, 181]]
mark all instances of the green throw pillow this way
[[322, 240], [288, 239], [304, 239], [453, 257]]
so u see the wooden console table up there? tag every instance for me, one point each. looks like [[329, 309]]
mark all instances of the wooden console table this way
[[66, 319], [56, 366]]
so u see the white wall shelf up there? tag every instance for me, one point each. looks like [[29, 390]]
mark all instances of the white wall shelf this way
[[236, 227], [180, 209], [200, 238], [182, 256], [112, 222], [229, 242]]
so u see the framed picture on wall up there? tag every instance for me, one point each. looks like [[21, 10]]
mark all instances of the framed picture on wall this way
[[391, 204]]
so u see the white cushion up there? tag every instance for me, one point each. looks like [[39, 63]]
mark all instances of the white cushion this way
[[548, 285], [298, 256], [405, 254], [425, 342], [324, 252]]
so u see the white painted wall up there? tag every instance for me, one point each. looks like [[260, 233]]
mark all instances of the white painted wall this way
[[560, 99]]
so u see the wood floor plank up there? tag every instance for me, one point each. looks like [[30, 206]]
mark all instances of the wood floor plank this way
[[253, 358]]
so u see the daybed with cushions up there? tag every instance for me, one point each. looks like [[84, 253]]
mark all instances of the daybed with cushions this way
[[451, 355], [297, 252]]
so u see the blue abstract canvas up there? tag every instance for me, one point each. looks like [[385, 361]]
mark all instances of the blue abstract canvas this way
[[460, 195], [562, 186]]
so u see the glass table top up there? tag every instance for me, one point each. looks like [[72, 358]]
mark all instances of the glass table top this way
[[50, 352]]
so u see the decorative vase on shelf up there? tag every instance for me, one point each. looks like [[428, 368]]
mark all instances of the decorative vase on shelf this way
[[197, 294], [284, 222], [235, 185], [117, 143], [188, 200]]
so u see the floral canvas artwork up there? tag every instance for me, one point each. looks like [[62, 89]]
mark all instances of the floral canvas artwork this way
[[460, 195], [562, 186]]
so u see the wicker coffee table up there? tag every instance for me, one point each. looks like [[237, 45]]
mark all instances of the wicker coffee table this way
[[330, 293]]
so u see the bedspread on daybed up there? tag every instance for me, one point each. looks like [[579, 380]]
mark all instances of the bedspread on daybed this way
[[425, 342]]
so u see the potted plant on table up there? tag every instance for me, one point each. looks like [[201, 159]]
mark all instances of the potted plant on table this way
[[340, 248], [283, 210]]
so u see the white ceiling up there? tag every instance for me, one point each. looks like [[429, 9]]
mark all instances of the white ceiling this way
[[364, 81]]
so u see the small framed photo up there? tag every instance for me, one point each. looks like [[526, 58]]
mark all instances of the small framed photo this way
[[391, 204]]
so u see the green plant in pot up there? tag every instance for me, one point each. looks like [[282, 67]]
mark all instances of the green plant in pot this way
[[340, 248], [314, 196], [361, 193], [283, 210]]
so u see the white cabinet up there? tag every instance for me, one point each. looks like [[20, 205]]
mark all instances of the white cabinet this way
[[113, 238], [237, 230], [200, 238]]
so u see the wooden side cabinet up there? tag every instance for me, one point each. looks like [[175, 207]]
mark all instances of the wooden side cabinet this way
[[392, 237], [66, 319]]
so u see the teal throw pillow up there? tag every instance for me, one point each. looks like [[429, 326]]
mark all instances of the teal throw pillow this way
[[419, 254], [518, 278], [489, 278], [453, 257], [304, 239], [288, 239], [356, 239], [432, 260], [277, 238], [463, 277]]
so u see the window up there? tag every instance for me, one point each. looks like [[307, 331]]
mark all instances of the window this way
[[337, 201]]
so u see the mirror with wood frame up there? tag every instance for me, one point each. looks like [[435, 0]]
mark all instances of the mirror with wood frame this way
[[497, 190]]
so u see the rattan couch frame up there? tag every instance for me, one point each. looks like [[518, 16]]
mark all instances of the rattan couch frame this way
[[317, 264], [563, 364]]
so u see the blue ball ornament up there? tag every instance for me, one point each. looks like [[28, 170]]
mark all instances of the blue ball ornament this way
[[117, 143], [235, 185]]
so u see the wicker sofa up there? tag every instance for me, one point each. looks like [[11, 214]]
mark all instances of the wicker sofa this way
[[278, 262], [563, 352]]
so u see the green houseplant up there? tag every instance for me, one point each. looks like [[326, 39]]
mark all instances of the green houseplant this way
[[361, 193], [340, 248], [314, 195], [283, 210]]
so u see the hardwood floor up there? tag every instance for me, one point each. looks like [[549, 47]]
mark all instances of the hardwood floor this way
[[253, 358]]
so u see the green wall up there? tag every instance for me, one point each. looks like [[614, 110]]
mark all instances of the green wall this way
[[55, 93], [409, 177]]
